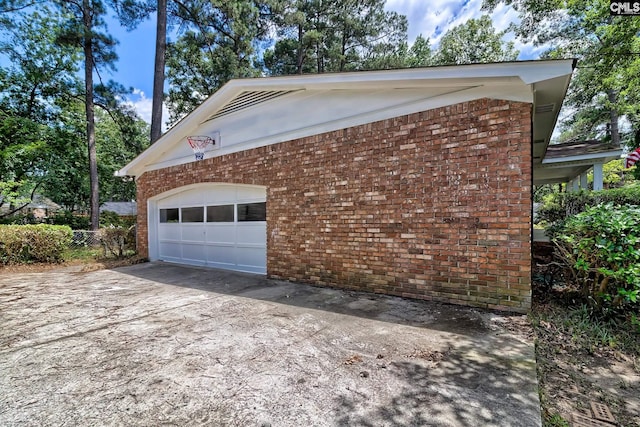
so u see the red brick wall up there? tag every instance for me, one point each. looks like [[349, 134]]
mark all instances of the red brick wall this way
[[433, 205]]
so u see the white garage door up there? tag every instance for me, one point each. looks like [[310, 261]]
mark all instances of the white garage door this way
[[221, 226]]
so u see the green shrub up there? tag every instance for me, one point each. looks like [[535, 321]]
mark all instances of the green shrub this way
[[118, 240], [76, 222], [17, 219], [110, 219], [33, 243], [602, 248], [559, 206]]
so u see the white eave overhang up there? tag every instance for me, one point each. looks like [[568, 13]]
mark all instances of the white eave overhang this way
[[565, 162], [416, 89]]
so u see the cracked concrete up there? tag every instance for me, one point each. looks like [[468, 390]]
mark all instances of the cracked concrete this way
[[162, 344]]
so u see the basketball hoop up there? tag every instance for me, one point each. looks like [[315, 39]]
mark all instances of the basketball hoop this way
[[199, 144]]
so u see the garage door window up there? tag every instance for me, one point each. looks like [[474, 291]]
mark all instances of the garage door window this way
[[252, 212], [193, 214], [222, 213], [169, 215]]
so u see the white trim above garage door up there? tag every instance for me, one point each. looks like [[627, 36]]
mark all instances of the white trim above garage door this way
[[215, 225]]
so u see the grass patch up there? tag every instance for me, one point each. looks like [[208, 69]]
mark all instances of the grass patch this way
[[576, 329], [86, 258], [557, 421], [83, 254]]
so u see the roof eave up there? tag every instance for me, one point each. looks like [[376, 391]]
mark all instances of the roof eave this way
[[528, 72]]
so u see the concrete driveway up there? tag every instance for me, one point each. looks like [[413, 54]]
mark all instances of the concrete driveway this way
[[160, 344]]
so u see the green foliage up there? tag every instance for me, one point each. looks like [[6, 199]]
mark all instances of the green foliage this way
[[475, 41], [559, 206], [118, 240], [12, 193], [615, 174], [337, 35], [112, 219], [605, 84], [219, 43], [75, 222], [19, 219], [33, 243], [602, 247], [556, 420]]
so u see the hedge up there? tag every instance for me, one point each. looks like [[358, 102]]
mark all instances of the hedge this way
[[601, 246], [33, 243], [560, 206]]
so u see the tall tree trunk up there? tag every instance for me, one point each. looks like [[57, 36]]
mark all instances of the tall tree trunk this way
[[300, 53], [158, 71], [89, 110], [613, 114], [343, 57]]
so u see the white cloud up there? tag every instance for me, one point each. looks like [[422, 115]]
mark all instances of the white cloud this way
[[142, 105], [432, 19]]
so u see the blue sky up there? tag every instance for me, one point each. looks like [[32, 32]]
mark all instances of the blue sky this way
[[429, 18]]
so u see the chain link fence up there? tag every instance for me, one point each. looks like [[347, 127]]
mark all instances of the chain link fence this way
[[116, 241], [85, 239]]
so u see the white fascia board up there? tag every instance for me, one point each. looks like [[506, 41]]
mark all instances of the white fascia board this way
[[597, 158], [527, 71]]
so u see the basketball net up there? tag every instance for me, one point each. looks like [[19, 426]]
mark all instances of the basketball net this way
[[199, 144]]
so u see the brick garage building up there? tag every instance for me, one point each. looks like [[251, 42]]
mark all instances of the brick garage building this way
[[414, 183]]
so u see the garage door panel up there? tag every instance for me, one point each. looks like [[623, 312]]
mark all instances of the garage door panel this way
[[193, 233], [221, 254], [221, 233], [169, 232], [194, 252], [254, 233], [252, 259], [191, 197], [223, 193], [250, 194], [170, 250]]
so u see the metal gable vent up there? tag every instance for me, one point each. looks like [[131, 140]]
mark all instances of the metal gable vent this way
[[247, 100], [545, 108]]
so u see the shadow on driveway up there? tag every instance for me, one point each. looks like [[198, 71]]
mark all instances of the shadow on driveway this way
[[431, 315], [160, 343]]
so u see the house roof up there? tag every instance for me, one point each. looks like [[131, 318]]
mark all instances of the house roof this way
[[574, 150], [563, 162], [250, 113], [41, 202], [121, 208]]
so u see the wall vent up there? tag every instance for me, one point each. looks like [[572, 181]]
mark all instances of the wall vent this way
[[545, 108], [248, 99]]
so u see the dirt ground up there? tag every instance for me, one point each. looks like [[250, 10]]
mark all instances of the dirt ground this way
[[572, 376], [159, 344], [580, 359]]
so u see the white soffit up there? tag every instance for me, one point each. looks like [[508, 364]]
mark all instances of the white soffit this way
[[256, 112]]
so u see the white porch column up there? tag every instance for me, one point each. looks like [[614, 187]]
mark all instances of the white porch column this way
[[597, 176], [575, 184], [584, 183]]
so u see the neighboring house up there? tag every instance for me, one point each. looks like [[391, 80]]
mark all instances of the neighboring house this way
[[414, 182], [121, 208], [40, 207]]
